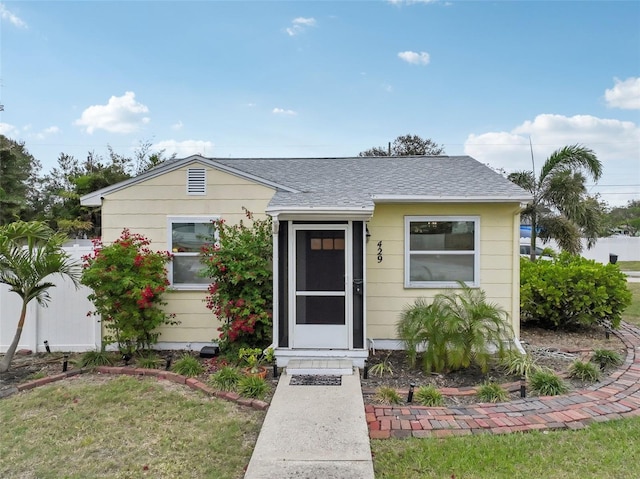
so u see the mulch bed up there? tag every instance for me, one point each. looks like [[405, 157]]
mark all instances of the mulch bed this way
[[552, 349]]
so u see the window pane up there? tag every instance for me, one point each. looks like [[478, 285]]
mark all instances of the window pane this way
[[440, 267], [185, 270], [320, 266], [441, 235], [320, 310], [189, 237]]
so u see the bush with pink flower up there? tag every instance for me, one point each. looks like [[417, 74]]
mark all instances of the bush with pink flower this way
[[128, 280], [239, 261]]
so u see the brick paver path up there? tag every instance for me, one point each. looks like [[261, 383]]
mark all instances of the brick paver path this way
[[615, 397]]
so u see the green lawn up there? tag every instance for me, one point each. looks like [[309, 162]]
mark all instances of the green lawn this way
[[123, 427], [629, 265], [603, 451], [632, 313]]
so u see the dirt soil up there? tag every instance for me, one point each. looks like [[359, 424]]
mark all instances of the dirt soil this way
[[553, 349]]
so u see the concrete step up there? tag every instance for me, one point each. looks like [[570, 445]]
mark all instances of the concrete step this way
[[319, 367]]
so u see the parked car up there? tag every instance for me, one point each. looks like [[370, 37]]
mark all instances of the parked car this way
[[525, 251]]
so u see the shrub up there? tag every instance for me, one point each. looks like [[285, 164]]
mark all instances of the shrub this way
[[252, 387], [241, 294], [584, 371], [148, 361], [514, 363], [225, 379], [387, 395], [92, 359], [456, 330], [188, 366], [606, 357], [381, 368], [572, 291], [128, 281], [492, 392], [547, 383], [428, 396]]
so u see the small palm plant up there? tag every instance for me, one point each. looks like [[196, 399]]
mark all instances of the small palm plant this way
[[474, 328]]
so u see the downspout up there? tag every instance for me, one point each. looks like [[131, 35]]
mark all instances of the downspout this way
[[515, 288]]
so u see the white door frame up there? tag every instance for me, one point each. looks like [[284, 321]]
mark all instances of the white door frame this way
[[321, 336]]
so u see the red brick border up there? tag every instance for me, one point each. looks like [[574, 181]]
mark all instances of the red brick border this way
[[616, 397], [156, 373]]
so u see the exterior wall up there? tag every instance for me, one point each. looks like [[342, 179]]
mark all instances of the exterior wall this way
[[499, 260], [144, 208]]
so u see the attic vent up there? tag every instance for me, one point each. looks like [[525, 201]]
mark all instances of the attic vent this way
[[196, 181]]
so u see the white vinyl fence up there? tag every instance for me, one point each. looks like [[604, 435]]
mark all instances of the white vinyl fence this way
[[63, 323]]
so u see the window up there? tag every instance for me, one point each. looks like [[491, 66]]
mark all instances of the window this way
[[187, 235], [440, 251]]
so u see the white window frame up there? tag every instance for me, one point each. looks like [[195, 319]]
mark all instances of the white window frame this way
[[171, 220], [440, 284]]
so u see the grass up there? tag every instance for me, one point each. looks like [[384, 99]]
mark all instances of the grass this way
[[123, 427], [629, 265], [632, 313], [603, 450]]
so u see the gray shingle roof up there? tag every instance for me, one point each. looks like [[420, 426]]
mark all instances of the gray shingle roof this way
[[354, 183], [357, 182]]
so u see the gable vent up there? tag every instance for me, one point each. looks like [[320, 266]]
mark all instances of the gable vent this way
[[196, 181]]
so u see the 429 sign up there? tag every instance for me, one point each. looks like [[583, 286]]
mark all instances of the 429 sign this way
[[379, 251]]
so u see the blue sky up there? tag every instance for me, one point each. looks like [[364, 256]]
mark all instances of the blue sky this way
[[322, 78]]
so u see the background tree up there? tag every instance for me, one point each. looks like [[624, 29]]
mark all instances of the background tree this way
[[18, 184], [561, 207], [30, 252], [71, 179], [406, 145], [625, 218]]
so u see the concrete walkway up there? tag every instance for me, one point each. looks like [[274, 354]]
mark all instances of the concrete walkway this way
[[314, 432], [616, 397]]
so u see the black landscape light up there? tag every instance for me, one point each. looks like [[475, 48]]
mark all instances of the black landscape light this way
[[65, 363], [523, 387], [46, 346], [365, 371], [412, 385], [168, 364]]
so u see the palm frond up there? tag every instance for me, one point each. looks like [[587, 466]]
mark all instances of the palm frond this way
[[575, 157]]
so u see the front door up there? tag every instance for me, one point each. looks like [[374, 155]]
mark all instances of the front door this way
[[320, 300]]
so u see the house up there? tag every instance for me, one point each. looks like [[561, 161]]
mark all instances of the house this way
[[355, 240]]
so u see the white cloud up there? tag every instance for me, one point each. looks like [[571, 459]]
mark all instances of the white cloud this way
[[8, 130], [615, 142], [121, 114], [52, 130], [177, 126], [415, 58], [185, 148], [299, 25], [624, 94], [282, 111], [11, 18]]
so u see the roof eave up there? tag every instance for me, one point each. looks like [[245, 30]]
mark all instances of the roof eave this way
[[319, 212], [449, 199]]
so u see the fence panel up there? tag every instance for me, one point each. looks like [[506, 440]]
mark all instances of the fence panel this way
[[63, 323]]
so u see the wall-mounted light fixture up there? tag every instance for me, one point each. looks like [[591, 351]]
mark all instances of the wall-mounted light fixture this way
[[367, 233]]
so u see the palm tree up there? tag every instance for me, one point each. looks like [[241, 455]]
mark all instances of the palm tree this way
[[561, 207], [30, 252]]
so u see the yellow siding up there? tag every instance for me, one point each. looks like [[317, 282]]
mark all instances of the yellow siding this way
[[499, 262], [144, 208]]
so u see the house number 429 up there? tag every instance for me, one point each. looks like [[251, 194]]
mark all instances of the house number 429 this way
[[379, 251]]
